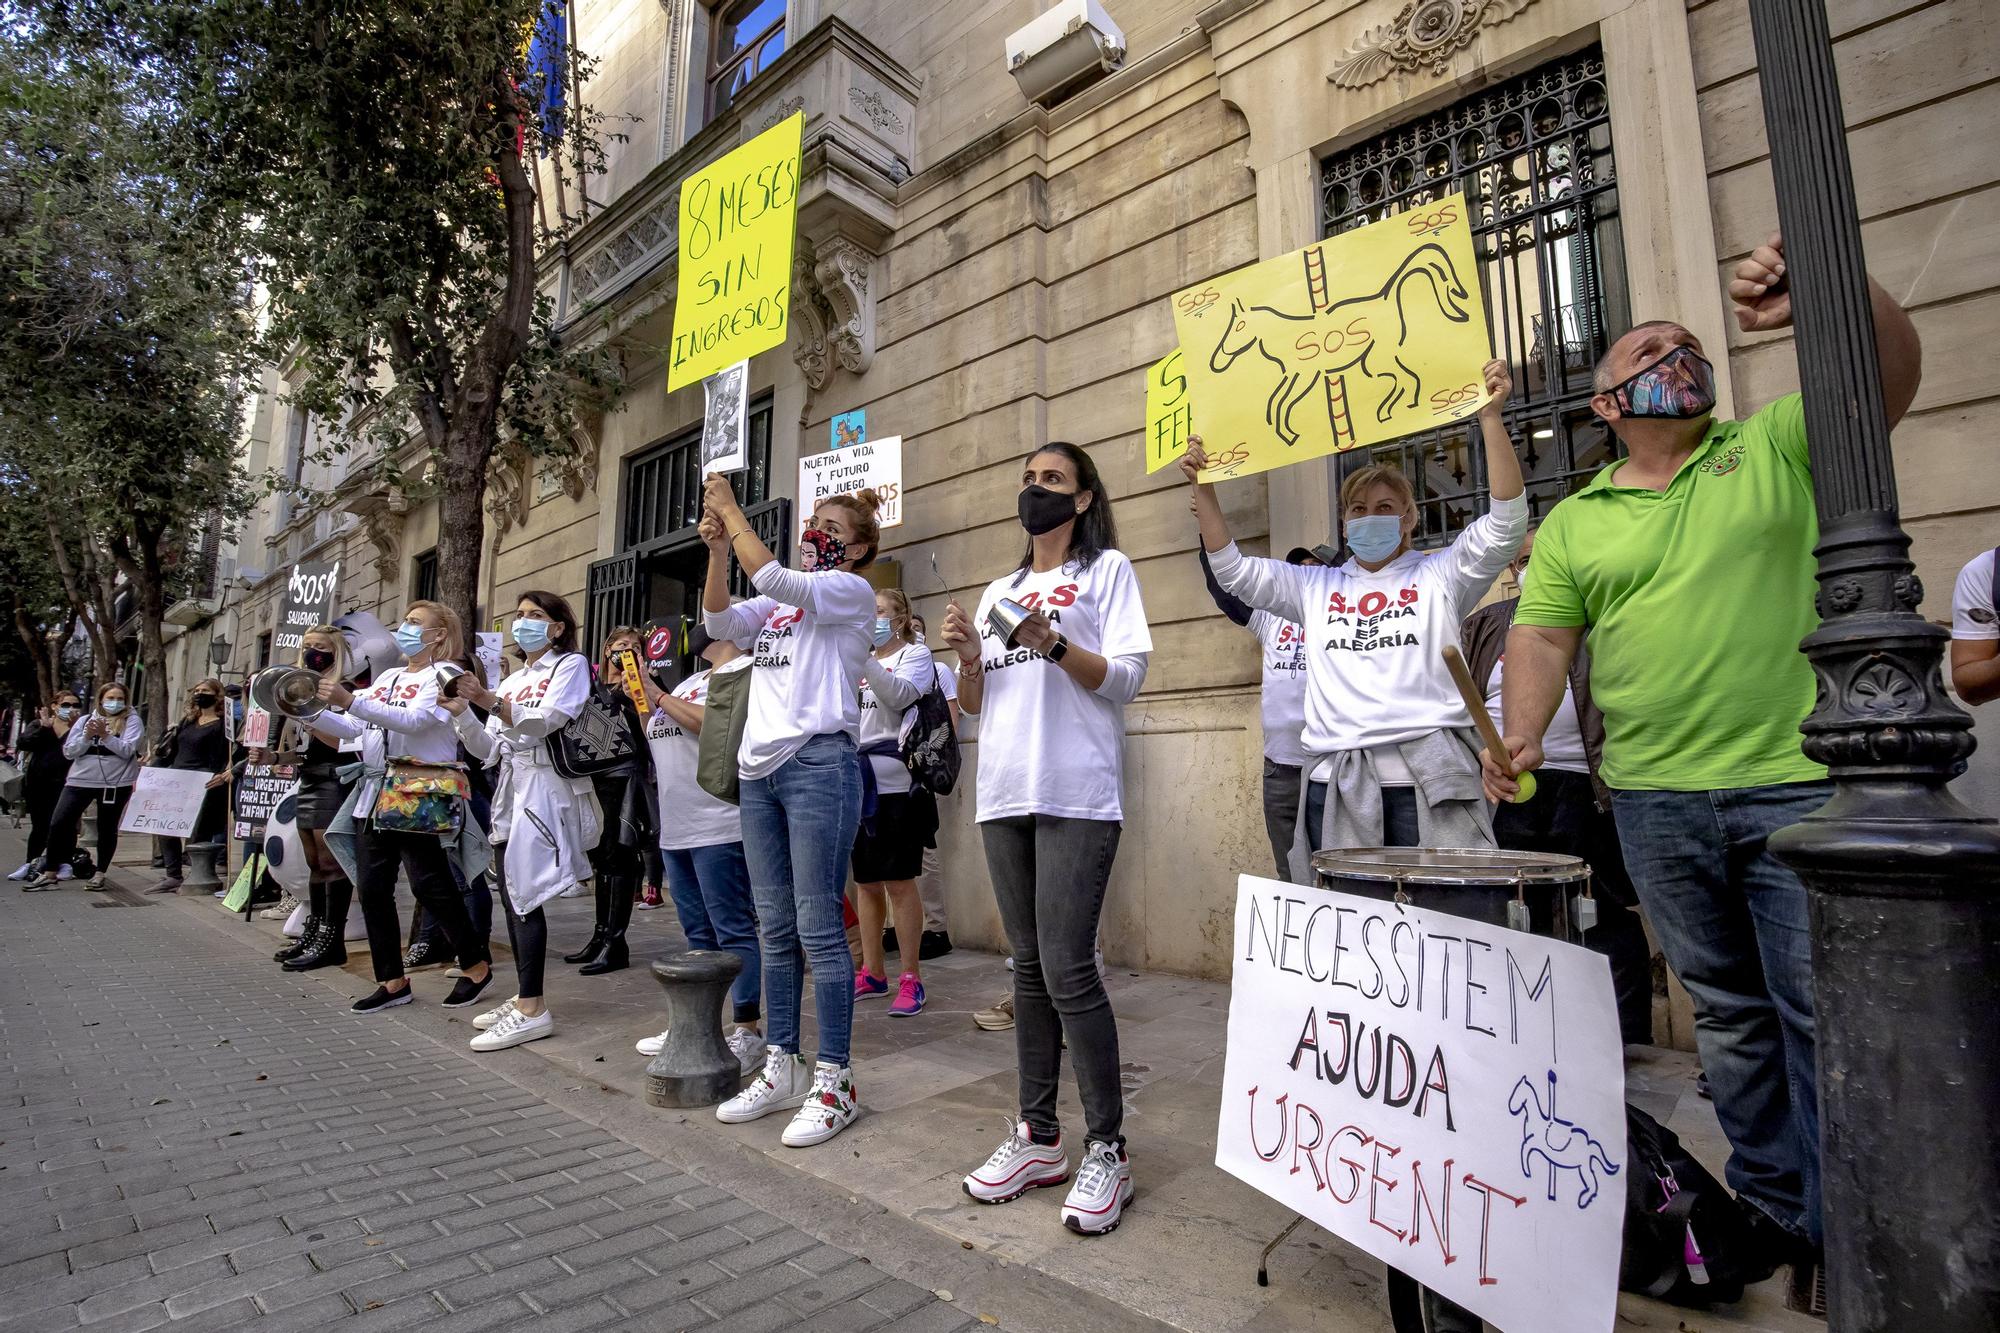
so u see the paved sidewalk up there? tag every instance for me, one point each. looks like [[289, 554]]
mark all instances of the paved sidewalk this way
[[187, 1141]]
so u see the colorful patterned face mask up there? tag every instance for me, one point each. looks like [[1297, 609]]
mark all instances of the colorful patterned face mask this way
[[819, 549], [1679, 386]]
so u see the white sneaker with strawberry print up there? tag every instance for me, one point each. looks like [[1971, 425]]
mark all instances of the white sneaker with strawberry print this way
[[828, 1109]]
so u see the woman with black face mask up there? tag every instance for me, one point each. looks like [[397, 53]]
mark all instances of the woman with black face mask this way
[[1051, 695], [196, 744], [323, 943]]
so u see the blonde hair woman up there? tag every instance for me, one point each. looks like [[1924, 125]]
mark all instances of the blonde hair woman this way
[[321, 794], [197, 744]]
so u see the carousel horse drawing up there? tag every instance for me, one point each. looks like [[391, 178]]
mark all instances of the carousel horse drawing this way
[[1368, 333], [1561, 1144]]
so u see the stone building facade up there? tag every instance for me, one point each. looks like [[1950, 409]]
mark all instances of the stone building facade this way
[[980, 273]]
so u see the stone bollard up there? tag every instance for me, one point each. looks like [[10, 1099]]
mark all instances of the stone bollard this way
[[200, 876], [695, 1067]]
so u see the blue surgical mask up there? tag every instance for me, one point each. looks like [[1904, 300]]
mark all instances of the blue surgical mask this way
[[410, 638], [531, 635], [112, 707], [1375, 537], [66, 712], [880, 634]]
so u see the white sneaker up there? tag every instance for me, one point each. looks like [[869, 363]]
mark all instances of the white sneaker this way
[[1018, 1165], [652, 1046], [516, 1029], [576, 890], [829, 1108], [492, 1018], [780, 1085], [64, 872], [27, 869], [746, 1044], [1103, 1188]]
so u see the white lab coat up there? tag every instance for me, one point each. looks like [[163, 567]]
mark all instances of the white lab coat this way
[[557, 818]]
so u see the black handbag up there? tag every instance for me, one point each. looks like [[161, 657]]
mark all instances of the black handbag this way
[[603, 739], [930, 744]]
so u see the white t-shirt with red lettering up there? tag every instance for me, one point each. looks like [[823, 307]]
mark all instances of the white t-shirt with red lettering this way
[[1284, 692], [1047, 745], [689, 816]]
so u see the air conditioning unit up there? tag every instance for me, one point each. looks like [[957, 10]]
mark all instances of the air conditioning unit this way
[[1069, 47]]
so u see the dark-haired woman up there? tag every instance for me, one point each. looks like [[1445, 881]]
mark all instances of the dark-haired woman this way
[[800, 771], [196, 745], [44, 767], [630, 807], [1052, 704], [543, 823], [322, 792], [103, 753]]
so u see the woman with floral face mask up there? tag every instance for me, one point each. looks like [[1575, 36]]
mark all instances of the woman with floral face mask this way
[[43, 771], [404, 730], [1051, 698], [800, 770], [104, 753], [322, 792], [196, 745]]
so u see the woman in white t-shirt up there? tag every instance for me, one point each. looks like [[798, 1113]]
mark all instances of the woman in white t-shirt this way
[[800, 784], [701, 844], [889, 849], [1051, 705]]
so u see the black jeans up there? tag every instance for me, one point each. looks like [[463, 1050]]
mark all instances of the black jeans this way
[[207, 828], [1281, 811], [377, 858], [1049, 874], [528, 935], [42, 798], [68, 818], [1399, 815], [1564, 819]]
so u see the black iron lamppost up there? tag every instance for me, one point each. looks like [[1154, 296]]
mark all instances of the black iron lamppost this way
[[1904, 881]]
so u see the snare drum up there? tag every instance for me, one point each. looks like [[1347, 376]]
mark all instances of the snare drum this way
[[1521, 890]]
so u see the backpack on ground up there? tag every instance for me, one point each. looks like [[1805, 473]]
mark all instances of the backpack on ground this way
[[930, 743], [1686, 1239]]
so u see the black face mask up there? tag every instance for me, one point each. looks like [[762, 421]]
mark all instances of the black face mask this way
[[204, 701], [1043, 510], [317, 659]]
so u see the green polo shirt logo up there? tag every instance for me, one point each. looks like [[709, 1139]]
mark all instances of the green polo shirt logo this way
[[1695, 600]]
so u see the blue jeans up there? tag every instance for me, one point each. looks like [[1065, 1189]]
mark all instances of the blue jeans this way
[[1399, 816], [711, 892], [798, 831], [1732, 923]]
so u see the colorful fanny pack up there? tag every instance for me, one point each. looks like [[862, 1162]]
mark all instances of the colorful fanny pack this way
[[422, 798]]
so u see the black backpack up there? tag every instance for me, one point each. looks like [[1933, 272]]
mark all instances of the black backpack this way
[[930, 743], [1686, 1239]]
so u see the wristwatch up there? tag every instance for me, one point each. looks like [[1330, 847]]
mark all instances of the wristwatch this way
[[1057, 650]]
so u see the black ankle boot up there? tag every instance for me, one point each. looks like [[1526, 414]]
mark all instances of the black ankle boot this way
[[615, 957], [615, 954], [298, 946], [602, 930], [330, 950]]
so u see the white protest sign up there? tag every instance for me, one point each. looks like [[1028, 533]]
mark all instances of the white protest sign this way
[[165, 802], [876, 465], [1447, 1095], [488, 653], [724, 440]]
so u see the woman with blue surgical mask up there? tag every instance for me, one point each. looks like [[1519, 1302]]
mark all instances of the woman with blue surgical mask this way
[[404, 729], [544, 824], [1390, 754], [889, 849], [104, 751]]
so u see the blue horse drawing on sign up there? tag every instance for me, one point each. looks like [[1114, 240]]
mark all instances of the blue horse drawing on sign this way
[[1561, 1144]]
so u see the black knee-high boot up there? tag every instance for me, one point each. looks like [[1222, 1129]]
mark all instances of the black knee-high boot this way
[[315, 914], [593, 946], [615, 955], [330, 950]]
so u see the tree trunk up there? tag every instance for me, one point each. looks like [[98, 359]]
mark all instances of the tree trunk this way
[[38, 652], [88, 587], [461, 527], [138, 557]]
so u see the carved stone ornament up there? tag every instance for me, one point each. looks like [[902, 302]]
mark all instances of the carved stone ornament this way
[[784, 109], [1425, 35], [384, 525], [878, 112], [830, 297], [507, 488]]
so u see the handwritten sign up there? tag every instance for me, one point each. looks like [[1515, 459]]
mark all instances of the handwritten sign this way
[[1364, 337], [876, 465], [258, 792], [734, 290], [310, 590], [165, 802], [1169, 415], [1441, 1093]]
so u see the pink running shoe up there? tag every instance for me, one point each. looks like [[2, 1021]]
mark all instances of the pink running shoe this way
[[909, 999], [868, 986]]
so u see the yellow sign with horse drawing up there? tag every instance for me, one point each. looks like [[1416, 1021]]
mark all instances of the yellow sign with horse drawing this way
[[1364, 337]]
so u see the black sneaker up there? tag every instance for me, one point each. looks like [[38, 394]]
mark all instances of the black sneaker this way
[[383, 998], [934, 944], [466, 991]]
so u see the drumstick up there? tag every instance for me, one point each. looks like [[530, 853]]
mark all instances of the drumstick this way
[[1475, 703]]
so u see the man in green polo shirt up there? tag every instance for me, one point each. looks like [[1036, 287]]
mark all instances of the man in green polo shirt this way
[[1690, 563]]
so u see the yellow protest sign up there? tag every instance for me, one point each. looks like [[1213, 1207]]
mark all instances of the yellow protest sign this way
[[738, 216], [1169, 421], [1364, 337]]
